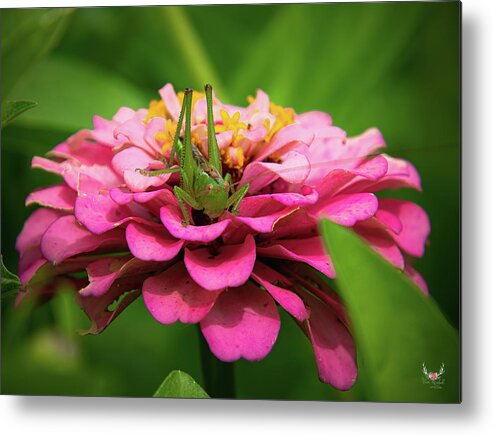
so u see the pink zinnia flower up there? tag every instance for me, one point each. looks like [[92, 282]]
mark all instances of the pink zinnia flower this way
[[227, 273]]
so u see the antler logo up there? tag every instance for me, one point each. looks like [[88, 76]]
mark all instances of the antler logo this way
[[434, 379]]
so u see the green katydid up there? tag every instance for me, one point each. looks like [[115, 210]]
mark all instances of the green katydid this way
[[202, 185]]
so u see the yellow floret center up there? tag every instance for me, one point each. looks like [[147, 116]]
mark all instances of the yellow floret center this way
[[196, 96], [284, 116], [157, 108], [167, 135]]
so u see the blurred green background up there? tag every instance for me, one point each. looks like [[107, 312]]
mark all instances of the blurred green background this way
[[390, 65]]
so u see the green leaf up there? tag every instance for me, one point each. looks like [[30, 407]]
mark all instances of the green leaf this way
[[179, 384], [396, 327], [10, 281], [12, 109], [28, 35], [87, 90]]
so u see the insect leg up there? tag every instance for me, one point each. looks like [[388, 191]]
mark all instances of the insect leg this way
[[183, 197], [157, 172], [235, 199], [229, 180]]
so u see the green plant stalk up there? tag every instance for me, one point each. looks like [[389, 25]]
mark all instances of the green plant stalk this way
[[219, 377], [194, 52]]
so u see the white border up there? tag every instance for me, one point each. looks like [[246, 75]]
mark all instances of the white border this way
[[20, 415]]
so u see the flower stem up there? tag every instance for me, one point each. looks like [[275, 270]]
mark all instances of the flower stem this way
[[219, 377]]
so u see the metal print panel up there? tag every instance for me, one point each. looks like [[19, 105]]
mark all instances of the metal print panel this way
[[253, 202]]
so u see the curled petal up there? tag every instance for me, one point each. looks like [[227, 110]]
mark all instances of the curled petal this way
[[415, 225], [333, 346], [97, 308], [103, 273], [400, 174], [243, 323], [133, 132], [171, 101], [65, 237], [309, 251], [336, 180], [128, 160], [290, 301], [381, 242], [261, 213], [389, 220], [347, 209], [173, 296], [59, 197], [294, 169], [231, 267]]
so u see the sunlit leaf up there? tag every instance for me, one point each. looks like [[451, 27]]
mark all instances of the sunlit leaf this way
[[86, 89], [396, 327], [10, 281], [12, 109], [179, 384]]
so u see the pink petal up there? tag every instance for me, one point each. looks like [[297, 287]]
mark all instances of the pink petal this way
[[389, 220], [173, 296], [244, 323], [307, 196], [381, 242], [133, 132], [366, 143], [314, 119], [299, 224], [415, 277], [290, 301], [103, 273], [336, 180], [128, 160], [309, 251], [293, 133], [47, 165], [154, 126], [314, 283], [415, 225], [171, 101], [97, 308], [261, 213], [231, 267], [152, 243], [400, 174], [332, 344], [34, 228], [347, 209], [59, 197], [66, 237], [83, 152], [97, 211], [294, 169], [172, 217], [30, 262]]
